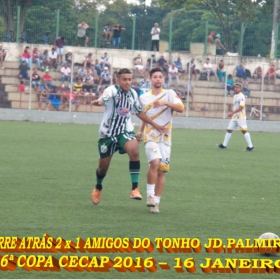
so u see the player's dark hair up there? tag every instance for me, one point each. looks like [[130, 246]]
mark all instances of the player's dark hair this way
[[123, 71], [154, 70]]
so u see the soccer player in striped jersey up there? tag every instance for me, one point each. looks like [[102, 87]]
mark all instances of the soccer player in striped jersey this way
[[158, 104], [116, 131]]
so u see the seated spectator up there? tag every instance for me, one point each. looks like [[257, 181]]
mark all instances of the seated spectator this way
[[105, 77], [47, 81], [36, 57], [221, 70], [230, 84], [145, 84], [87, 88], [149, 66], [173, 74], [45, 61], [21, 87], [257, 74], [53, 58], [97, 67], [43, 97], [82, 72], [107, 31], [208, 69], [271, 74], [35, 80], [66, 97], [68, 57], [138, 64], [246, 90], [88, 60], [192, 66], [105, 62], [65, 74], [178, 91], [179, 66], [23, 71], [26, 56], [162, 63], [78, 87], [188, 90], [240, 71], [2, 56], [54, 99]]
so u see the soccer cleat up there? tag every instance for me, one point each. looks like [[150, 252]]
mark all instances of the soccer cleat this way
[[95, 196], [221, 146], [135, 194], [155, 209], [150, 201], [248, 149]]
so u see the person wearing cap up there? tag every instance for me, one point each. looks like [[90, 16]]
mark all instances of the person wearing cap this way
[[238, 119], [271, 74], [105, 77], [210, 38], [155, 32], [68, 57], [2, 56], [219, 45]]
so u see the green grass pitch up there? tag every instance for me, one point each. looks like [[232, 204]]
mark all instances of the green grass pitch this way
[[48, 172]]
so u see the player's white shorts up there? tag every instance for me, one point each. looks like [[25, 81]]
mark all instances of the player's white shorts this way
[[156, 150], [237, 123]]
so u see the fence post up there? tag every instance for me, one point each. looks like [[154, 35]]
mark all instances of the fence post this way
[[133, 32], [18, 23], [241, 39], [57, 23], [96, 29], [206, 35], [170, 33], [276, 40]]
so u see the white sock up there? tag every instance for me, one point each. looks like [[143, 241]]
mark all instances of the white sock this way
[[150, 190], [226, 140], [248, 139], [157, 199]]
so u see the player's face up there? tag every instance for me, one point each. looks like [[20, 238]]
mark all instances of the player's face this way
[[125, 81], [237, 89], [157, 80]]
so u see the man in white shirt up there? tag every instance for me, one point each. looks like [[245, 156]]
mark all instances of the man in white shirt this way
[[53, 57], [173, 74], [208, 68], [105, 61], [155, 37], [65, 74], [105, 77]]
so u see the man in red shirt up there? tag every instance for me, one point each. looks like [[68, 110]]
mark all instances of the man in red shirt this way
[[271, 74], [47, 79]]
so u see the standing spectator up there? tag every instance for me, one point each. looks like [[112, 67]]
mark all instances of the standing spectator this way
[[36, 80], [230, 84], [69, 57], [173, 74], [105, 61], [179, 66], [221, 73], [2, 56], [240, 70], [208, 69], [192, 66], [117, 29], [65, 74], [23, 71], [105, 77], [59, 44], [162, 63], [257, 74], [219, 45], [26, 56], [36, 57], [82, 34], [53, 58], [138, 64], [210, 38], [155, 37], [271, 74]]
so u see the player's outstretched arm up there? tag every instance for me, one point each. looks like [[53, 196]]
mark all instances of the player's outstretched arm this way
[[98, 102]]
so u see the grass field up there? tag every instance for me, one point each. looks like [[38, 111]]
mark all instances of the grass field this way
[[47, 175]]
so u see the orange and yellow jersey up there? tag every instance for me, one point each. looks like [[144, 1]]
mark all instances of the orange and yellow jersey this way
[[161, 115], [239, 101]]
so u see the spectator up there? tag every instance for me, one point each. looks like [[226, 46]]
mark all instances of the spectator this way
[[66, 97], [189, 90], [105, 77], [162, 63], [2, 56], [82, 72], [149, 66], [219, 45], [53, 99], [21, 87], [88, 60], [47, 81], [45, 61], [78, 86], [155, 37], [210, 38], [208, 69], [105, 61], [26, 56], [36, 57], [97, 67], [53, 58], [230, 84], [246, 90], [43, 97], [192, 66], [107, 31], [82, 34], [138, 64], [59, 44], [271, 74], [240, 70], [89, 78], [117, 29], [145, 84], [257, 74], [35, 80], [179, 66], [221, 73], [87, 90], [23, 71], [65, 74], [173, 74], [69, 57]]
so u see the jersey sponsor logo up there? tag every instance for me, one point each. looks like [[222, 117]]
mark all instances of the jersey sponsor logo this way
[[103, 149], [123, 112]]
